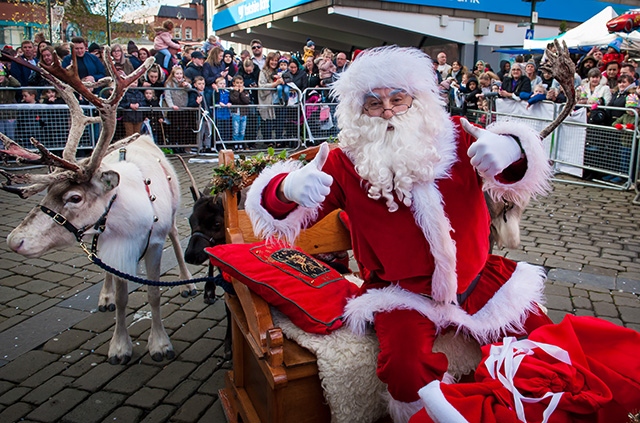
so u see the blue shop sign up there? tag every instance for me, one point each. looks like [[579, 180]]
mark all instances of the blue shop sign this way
[[568, 10], [251, 9]]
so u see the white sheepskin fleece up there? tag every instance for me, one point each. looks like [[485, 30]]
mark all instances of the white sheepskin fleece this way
[[347, 370], [266, 226], [437, 406], [506, 311], [401, 412], [536, 179]]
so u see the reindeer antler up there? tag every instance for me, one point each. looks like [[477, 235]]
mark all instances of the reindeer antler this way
[[563, 69], [67, 81]]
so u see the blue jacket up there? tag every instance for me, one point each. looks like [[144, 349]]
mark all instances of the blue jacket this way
[[21, 73], [94, 66]]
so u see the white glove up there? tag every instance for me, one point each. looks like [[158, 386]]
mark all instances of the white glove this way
[[309, 186], [491, 153]]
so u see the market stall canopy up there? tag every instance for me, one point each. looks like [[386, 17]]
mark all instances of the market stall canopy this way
[[592, 32]]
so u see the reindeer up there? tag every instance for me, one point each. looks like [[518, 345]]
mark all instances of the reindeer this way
[[125, 195]]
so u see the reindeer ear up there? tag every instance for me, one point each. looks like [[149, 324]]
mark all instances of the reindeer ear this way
[[109, 179]]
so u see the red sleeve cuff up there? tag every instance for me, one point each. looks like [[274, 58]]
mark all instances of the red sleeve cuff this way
[[513, 173], [278, 209]]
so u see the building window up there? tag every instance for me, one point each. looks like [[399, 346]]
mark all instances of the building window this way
[[177, 33], [188, 33]]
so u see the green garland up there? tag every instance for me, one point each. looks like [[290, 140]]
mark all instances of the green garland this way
[[237, 177]]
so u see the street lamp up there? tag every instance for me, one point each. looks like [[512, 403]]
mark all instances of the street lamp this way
[[533, 13]]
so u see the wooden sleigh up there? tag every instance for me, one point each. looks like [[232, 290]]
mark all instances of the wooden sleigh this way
[[275, 380]]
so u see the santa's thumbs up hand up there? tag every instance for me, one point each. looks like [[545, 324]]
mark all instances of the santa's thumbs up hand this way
[[309, 186], [491, 153]]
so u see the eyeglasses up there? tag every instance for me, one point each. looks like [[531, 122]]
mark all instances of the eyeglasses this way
[[376, 108], [256, 47]]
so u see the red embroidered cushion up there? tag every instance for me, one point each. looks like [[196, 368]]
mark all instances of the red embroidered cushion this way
[[310, 293]]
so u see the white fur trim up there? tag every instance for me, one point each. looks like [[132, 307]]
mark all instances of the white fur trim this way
[[265, 225], [347, 369], [437, 406], [401, 412], [506, 311], [428, 211], [536, 178]]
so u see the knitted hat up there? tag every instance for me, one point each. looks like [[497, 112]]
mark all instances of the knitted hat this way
[[531, 62], [310, 43], [632, 101], [229, 52], [94, 47], [283, 60], [131, 47]]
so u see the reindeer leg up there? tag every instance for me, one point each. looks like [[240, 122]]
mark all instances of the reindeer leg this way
[[185, 290], [159, 343], [107, 294], [120, 348]]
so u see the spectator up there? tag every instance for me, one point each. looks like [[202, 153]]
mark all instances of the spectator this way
[[485, 80], [505, 68], [258, 57], [309, 50], [222, 109], [613, 53], [46, 57], [153, 119], [62, 50], [311, 70], [186, 57], [548, 81], [471, 96], [456, 72], [230, 65], [239, 97], [341, 62], [532, 73], [143, 54], [38, 38], [163, 41], [611, 73], [176, 97], [282, 90], [626, 122], [516, 86], [49, 96], [197, 99], [121, 63], [442, 66], [174, 61], [132, 117], [7, 116], [587, 63], [592, 91], [133, 54], [29, 97], [250, 75], [20, 72], [556, 95], [153, 78], [268, 80], [208, 45], [296, 76], [326, 68], [213, 69], [478, 69], [627, 68], [90, 68], [539, 94], [195, 66], [41, 46], [626, 86]]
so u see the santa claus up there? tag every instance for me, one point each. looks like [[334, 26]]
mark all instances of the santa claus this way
[[411, 179]]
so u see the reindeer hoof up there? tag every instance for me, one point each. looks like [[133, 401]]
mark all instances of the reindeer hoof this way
[[189, 293], [102, 308], [157, 356], [119, 360], [169, 355], [112, 307]]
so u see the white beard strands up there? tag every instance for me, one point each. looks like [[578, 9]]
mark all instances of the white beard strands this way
[[392, 161]]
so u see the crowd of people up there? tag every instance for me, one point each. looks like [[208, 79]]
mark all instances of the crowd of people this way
[[248, 94], [219, 82]]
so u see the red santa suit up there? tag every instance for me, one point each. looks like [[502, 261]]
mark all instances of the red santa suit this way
[[429, 263], [581, 370]]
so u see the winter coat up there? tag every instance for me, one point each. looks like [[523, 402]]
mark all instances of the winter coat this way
[[132, 96], [164, 40], [8, 97], [239, 98]]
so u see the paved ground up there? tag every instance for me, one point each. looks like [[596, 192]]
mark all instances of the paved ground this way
[[53, 342]]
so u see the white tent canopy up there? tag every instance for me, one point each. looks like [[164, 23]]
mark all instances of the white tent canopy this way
[[592, 32]]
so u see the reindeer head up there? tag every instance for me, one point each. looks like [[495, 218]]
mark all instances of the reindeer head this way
[[77, 191]]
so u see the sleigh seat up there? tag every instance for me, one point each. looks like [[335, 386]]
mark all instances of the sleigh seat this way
[[282, 374]]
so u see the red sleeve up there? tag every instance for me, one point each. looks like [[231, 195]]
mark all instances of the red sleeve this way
[[513, 173], [278, 209]]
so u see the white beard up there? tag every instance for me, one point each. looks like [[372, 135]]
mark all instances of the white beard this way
[[393, 160]]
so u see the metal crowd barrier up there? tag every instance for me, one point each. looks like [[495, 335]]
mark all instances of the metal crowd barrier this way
[[597, 155]]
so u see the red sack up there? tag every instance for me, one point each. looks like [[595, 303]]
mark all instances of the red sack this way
[[310, 293]]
